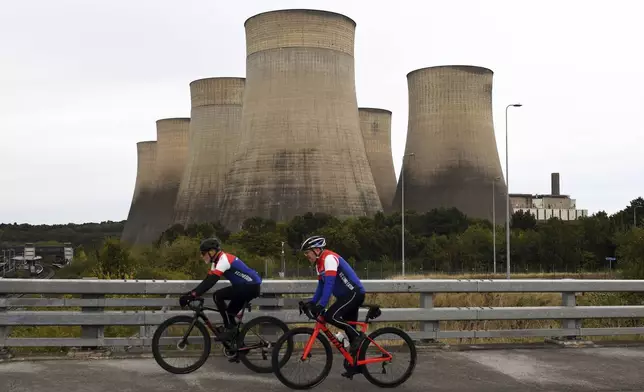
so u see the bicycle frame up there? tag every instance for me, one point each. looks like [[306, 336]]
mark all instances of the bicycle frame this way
[[320, 325], [199, 314]]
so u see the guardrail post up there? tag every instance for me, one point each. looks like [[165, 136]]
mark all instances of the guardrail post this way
[[267, 329], [92, 331], [569, 299], [428, 327], [4, 333]]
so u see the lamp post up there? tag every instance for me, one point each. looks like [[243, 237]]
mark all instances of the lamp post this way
[[494, 222], [507, 181], [402, 202], [635, 215]]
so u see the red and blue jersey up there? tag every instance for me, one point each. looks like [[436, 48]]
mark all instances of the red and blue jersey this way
[[335, 276], [233, 269]]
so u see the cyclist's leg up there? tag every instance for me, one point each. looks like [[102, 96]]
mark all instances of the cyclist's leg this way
[[336, 314], [241, 294], [221, 295], [351, 313]]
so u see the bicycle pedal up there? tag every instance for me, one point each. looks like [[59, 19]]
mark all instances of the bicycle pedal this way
[[348, 375], [233, 360]]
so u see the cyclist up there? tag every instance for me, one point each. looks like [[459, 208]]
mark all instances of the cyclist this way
[[335, 276], [244, 284]]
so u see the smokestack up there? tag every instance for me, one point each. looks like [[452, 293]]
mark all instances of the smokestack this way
[[375, 125], [143, 191], [301, 148], [554, 184], [214, 137], [451, 133]]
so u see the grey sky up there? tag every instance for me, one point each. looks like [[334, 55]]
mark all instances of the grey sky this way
[[82, 81]]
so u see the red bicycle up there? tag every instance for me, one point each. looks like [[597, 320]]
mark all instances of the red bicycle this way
[[352, 365]]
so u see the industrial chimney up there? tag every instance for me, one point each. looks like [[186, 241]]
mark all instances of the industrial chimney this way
[[375, 125], [554, 184], [451, 134], [214, 137], [143, 192], [301, 148]]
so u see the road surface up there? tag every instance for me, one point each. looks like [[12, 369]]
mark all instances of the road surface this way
[[511, 370]]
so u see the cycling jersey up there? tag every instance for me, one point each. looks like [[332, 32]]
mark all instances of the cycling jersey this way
[[335, 276], [233, 269]]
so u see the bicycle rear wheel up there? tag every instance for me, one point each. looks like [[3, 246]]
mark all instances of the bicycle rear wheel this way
[[298, 337], [398, 335], [261, 346], [170, 327]]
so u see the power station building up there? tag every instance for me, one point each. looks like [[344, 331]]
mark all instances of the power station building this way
[[455, 162], [301, 148], [375, 125], [214, 136], [546, 206], [137, 218]]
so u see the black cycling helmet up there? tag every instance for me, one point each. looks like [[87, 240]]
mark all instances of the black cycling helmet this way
[[212, 243], [315, 241]]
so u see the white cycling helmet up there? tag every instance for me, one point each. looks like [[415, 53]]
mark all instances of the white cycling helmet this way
[[315, 241]]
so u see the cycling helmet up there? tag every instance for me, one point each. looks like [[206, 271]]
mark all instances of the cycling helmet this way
[[315, 241], [210, 244]]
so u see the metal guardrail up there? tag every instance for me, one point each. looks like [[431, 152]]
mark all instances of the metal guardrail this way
[[279, 298]]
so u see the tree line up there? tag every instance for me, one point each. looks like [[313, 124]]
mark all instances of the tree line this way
[[441, 240]]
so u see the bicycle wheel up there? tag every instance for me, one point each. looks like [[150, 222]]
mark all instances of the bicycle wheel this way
[[176, 337], [261, 347], [291, 338], [402, 335]]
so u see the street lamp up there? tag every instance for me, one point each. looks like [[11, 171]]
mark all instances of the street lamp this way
[[635, 215], [507, 181], [402, 202], [494, 222]]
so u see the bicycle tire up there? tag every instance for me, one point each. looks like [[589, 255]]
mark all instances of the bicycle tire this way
[[288, 336], [240, 342], [157, 336], [412, 349]]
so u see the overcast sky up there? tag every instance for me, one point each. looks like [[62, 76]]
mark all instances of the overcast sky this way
[[81, 82]]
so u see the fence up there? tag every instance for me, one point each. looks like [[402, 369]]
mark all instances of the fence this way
[[280, 297], [7, 262]]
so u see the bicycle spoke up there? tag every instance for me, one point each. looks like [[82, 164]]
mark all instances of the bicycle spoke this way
[[172, 351], [389, 342], [296, 372]]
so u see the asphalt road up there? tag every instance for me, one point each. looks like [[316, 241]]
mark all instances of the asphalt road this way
[[556, 369]]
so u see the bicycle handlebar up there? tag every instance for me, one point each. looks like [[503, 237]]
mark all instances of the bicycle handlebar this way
[[304, 309]]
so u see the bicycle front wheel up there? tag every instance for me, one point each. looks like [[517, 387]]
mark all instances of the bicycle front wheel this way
[[400, 343], [319, 359], [171, 334], [256, 340]]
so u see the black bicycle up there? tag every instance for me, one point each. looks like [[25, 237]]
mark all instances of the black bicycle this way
[[235, 349]]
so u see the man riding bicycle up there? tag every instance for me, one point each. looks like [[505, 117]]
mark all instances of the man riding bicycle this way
[[335, 276], [244, 284]]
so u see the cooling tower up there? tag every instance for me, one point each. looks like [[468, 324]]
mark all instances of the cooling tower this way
[[214, 135], [301, 148], [375, 125], [451, 133], [172, 152], [143, 192]]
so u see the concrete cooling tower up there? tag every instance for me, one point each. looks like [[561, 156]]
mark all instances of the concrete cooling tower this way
[[375, 125], [214, 136], [451, 133], [301, 148], [143, 191], [172, 153]]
